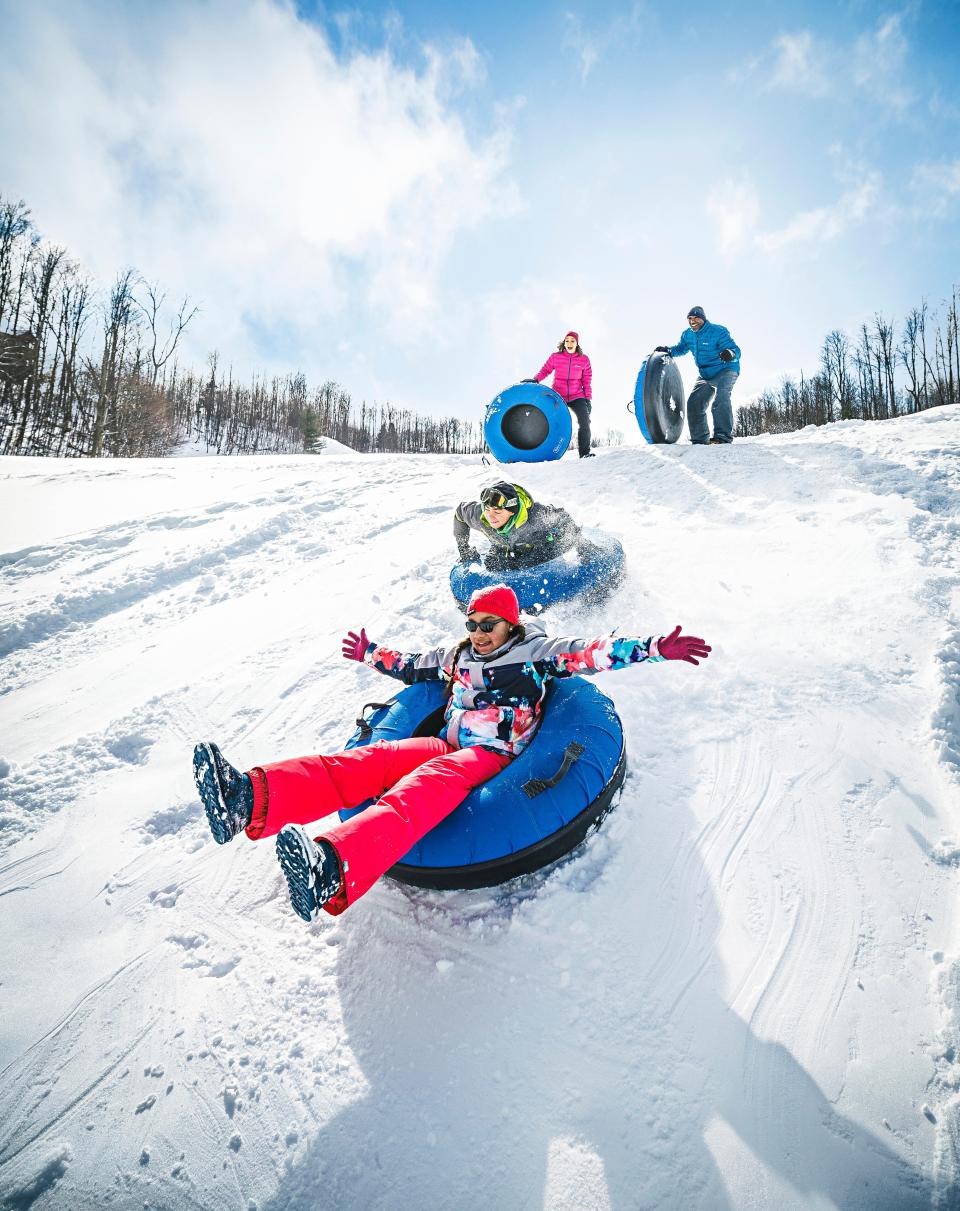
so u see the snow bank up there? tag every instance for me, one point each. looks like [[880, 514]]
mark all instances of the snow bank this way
[[197, 448]]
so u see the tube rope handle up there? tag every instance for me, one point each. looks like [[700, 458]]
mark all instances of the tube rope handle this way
[[365, 729], [537, 786]]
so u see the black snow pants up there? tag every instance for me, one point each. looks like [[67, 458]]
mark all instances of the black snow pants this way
[[581, 410]]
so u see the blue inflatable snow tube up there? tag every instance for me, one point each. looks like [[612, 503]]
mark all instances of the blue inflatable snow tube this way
[[547, 583], [538, 809], [527, 423]]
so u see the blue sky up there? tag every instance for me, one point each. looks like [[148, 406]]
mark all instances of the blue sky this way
[[419, 200]]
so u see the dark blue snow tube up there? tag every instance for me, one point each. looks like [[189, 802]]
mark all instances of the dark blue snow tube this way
[[547, 583], [658, 402], [528, 423], [539, 808]]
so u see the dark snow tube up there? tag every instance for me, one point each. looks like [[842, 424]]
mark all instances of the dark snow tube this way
[[546, 583], [658, 402], [538, 809], [528, 423]]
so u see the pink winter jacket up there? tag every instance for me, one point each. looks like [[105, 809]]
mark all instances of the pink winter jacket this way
[[571, 374]]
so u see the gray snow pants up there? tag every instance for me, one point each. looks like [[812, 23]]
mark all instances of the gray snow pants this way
[[716, 390]]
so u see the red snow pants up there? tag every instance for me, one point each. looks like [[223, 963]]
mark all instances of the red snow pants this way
[[416, 783]]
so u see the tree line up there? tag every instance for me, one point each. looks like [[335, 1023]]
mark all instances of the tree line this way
[[85, 373], [880, 373], [284, 415], [88, 375]]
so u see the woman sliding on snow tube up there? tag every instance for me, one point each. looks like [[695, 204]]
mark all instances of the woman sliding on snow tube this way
[[497, 678]]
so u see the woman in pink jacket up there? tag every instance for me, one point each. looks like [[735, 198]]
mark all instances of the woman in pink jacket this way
[[572, 374]]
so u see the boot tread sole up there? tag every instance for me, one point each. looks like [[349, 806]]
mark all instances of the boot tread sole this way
[[296, 855], [208, 788]]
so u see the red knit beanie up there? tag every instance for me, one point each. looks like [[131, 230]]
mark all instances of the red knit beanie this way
[[500, 599], [575, 335]]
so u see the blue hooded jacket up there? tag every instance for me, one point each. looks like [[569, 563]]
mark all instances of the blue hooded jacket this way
[[705, 346]]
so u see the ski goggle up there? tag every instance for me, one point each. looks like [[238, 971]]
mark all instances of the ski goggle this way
[[493, 498], [486, 626]]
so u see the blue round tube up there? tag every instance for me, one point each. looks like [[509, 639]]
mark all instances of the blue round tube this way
[[556, 416]]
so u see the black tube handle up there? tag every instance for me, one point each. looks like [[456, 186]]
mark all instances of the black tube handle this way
[[365, 728], [537, 786]]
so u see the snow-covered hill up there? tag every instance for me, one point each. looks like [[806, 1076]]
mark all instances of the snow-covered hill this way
[[741, 993], [196, 447]]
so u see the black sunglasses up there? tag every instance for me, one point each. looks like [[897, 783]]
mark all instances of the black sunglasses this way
[[486, 626]]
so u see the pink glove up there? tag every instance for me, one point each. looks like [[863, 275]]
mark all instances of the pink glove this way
[[683, 647], [355, 646]]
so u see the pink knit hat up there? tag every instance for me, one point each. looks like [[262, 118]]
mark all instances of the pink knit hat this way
[[500, 599], [575, 335]]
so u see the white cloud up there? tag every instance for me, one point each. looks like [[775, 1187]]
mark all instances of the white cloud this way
[[935, 186], [532, 316], [226, 150], [586, 49], [455, 68], [944, 107], [825, 223], [944, 178], [799, 64], [874, 65], [735, 207], [627, 26], [877, 63]]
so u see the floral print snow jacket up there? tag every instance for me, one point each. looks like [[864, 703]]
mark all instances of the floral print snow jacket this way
[[497, 699]]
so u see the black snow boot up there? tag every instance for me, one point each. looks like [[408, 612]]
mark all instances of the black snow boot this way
[[312, 870], [226, 794]]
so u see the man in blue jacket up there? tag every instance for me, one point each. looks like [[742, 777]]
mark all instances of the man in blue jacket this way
[[718, 359]]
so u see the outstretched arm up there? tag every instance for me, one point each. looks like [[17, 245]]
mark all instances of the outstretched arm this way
[[569, 657], [545, 369], [675, 646], [407, 667]]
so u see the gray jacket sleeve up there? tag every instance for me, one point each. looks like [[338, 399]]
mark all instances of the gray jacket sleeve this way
[[466, 517]]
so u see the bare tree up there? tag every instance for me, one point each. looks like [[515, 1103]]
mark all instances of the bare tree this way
[[835, 363], [952, 344], [886, 364], [14, 225], [161, 349], [118, 317], [912, 353]]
